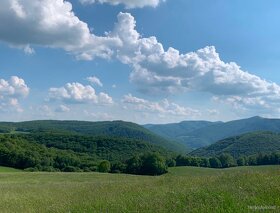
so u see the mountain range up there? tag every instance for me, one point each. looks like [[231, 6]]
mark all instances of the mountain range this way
[[196, 134], [175, 137]]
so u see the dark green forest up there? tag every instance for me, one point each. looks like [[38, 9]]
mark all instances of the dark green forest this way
[[66, 152], [116, 129], [243, 145], [117, 148]]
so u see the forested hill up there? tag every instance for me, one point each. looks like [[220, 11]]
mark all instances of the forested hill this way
[[100, 147], [243, 145], [196, 134], [118, 129], [178, 130], [68, 152]]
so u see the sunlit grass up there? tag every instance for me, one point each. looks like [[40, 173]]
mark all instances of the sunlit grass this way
[[8, 169], [184, 189]]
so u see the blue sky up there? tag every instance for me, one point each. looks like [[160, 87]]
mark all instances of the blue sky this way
[[147, 61]]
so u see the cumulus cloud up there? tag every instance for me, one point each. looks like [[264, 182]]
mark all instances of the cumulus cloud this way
[[15, 87], [203, 70], [128, 3], [79, 93], [163, 107], [94, 80], [155, 69], [49, 23], [104, 98], [11, 91]]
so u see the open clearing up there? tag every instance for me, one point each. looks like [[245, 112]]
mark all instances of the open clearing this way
[[183, 189]]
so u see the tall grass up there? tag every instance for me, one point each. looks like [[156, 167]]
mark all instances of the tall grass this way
[[183, 189]]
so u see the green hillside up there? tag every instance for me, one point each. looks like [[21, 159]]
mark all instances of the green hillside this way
[[99, 147], [8, 169], [207, 133], [243, 145], [119, 129], [68, 152]]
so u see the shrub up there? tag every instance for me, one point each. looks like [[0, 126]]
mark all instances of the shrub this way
[[241, 161], [153, 164], [205, 162], [215, 162], [104, 166], [227, 160], [171, 162], [71, 169]]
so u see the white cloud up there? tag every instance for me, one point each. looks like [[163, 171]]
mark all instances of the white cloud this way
[[79, 93], [49, 23], [163, 107], [18, 9], [15, 87], [10, 93], [104, 98], [94, 80], [155, 69], [10, 105], [52, 23], [258, 103], [28, 50], [158, 71], [128, 3]]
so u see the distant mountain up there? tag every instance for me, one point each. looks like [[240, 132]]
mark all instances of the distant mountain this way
[[203, 133], [213, 133], [177, 130], [118, 129], [181, 132], [243, 145]]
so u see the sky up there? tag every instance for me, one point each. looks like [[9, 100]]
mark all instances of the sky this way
[[149, 61]]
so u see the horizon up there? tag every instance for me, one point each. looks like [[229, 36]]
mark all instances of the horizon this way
[[147, 62], [141, 124]]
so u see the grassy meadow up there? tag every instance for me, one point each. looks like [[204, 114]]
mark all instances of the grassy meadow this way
[[183, 189], [8, 169]]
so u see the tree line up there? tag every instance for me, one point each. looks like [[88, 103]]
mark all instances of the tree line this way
[[225, 160], [17, 152]]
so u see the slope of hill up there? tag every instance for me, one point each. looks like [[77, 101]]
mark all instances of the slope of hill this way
[[208, 134], [242, 145], [177, 130], [101, 147], [119, 129], [61, 152]]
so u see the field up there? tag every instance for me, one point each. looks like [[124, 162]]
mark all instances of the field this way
[[183, 189], [7, 169]]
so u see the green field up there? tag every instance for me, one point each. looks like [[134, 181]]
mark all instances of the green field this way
[[183, 189], [8, 169]]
